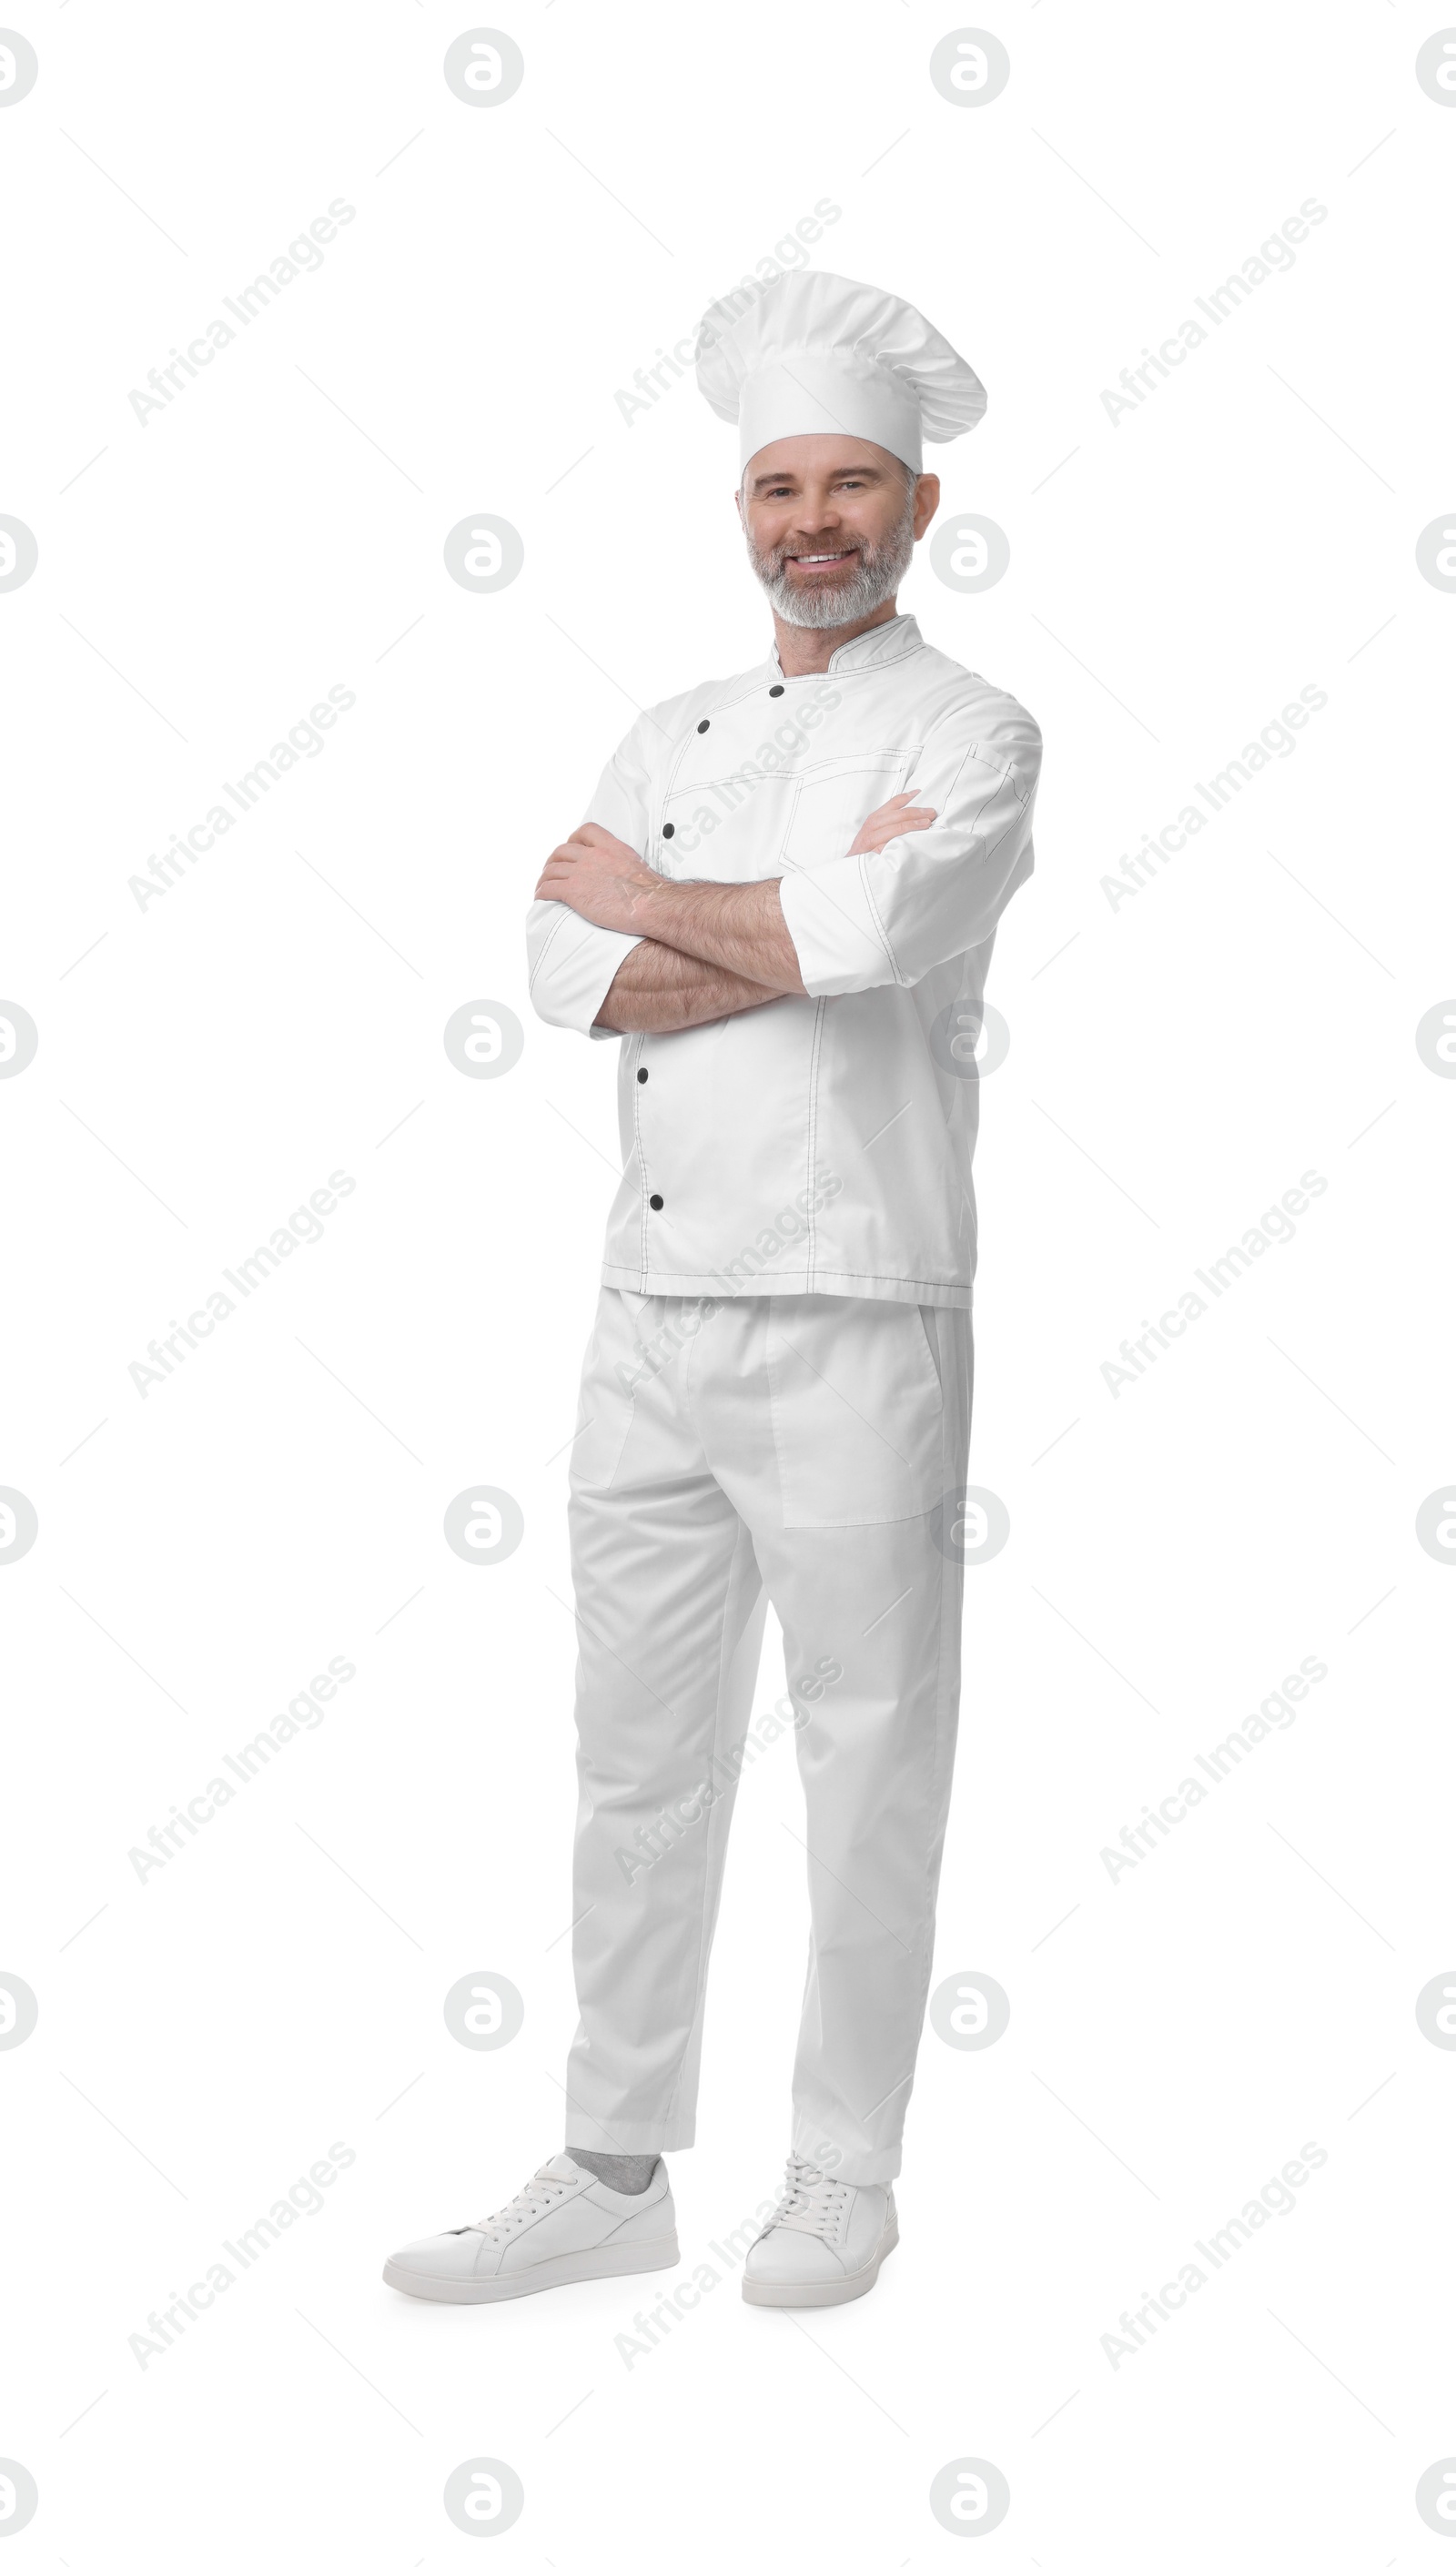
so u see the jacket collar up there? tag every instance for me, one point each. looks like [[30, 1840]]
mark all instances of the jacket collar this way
[[875, 649]]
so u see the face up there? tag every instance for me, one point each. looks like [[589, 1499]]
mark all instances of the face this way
[[831, 523]]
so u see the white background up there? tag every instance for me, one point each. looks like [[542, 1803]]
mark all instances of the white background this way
[[1177, 1062]]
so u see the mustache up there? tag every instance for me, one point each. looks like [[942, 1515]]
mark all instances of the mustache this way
[[868, 574], [778, 555]]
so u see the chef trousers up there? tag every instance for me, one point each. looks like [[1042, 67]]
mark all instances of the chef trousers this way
[[808, 1449]]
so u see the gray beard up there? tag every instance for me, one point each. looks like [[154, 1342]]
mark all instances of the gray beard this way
[[877, 575]]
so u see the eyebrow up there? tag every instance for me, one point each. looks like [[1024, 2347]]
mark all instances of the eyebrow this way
[[861, 471]]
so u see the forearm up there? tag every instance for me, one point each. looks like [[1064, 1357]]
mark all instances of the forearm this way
[[659, 990], [736, 926]]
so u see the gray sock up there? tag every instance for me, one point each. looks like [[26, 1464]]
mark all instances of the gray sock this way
[[624, 2174]]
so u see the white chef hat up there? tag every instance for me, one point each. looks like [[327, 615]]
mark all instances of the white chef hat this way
[[810, 353]]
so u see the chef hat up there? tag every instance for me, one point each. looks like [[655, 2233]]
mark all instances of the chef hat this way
[[809, 354]]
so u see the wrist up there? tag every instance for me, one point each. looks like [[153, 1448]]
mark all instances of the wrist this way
[[657, 907]]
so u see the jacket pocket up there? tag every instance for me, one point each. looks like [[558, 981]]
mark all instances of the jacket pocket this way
[[833, 799]]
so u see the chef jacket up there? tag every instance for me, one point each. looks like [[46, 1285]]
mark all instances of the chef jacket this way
[[818, 1144]]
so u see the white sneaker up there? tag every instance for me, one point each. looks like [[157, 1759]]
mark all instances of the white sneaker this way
[[825, 2242], [566, 2227]]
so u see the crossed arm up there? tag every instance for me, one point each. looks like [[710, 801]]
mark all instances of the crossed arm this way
[[709, 950]]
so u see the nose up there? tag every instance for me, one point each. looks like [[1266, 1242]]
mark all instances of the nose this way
[[820, 517]]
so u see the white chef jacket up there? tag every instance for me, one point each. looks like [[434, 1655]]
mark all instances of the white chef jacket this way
[[819, 1144]]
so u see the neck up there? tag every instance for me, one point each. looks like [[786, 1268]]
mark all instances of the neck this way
[[805, 649]]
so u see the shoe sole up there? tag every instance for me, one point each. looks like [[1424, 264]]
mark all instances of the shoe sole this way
[[824, 2295], [588, 2264]]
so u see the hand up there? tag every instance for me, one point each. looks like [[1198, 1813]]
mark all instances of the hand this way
[[599, 876], [892, 820]]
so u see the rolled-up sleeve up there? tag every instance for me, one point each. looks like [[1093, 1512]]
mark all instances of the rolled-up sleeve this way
[[572, 963], [572, 966], [862, 922]]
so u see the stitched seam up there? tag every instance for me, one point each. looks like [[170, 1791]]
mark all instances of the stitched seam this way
[[552, 933], [853, 1274], [676, 763], [725, 1803], [878, 923], [783, 856], [944, 1747], [846, 762], [810, 1182], [941, 1754], [825, 677], [629, 1071], [1008, 774], [1005, 766]]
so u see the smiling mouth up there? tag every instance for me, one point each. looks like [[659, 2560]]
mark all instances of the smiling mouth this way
[[820, 561]]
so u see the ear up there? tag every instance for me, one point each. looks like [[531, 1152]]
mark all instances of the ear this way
[[927, 500]]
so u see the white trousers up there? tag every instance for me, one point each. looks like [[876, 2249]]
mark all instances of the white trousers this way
[[813, 1448]]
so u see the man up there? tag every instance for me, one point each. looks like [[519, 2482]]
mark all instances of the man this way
[[783, 905]]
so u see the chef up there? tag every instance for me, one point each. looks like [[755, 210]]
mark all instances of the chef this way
[[781, 907]]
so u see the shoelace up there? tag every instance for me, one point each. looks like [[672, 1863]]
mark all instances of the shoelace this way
[[540, 2193], [811, 2202]]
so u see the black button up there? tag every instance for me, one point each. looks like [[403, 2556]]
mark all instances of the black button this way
[[667, 828], [776, 690], [703, 725], [642, 1079], [656, 1201]]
